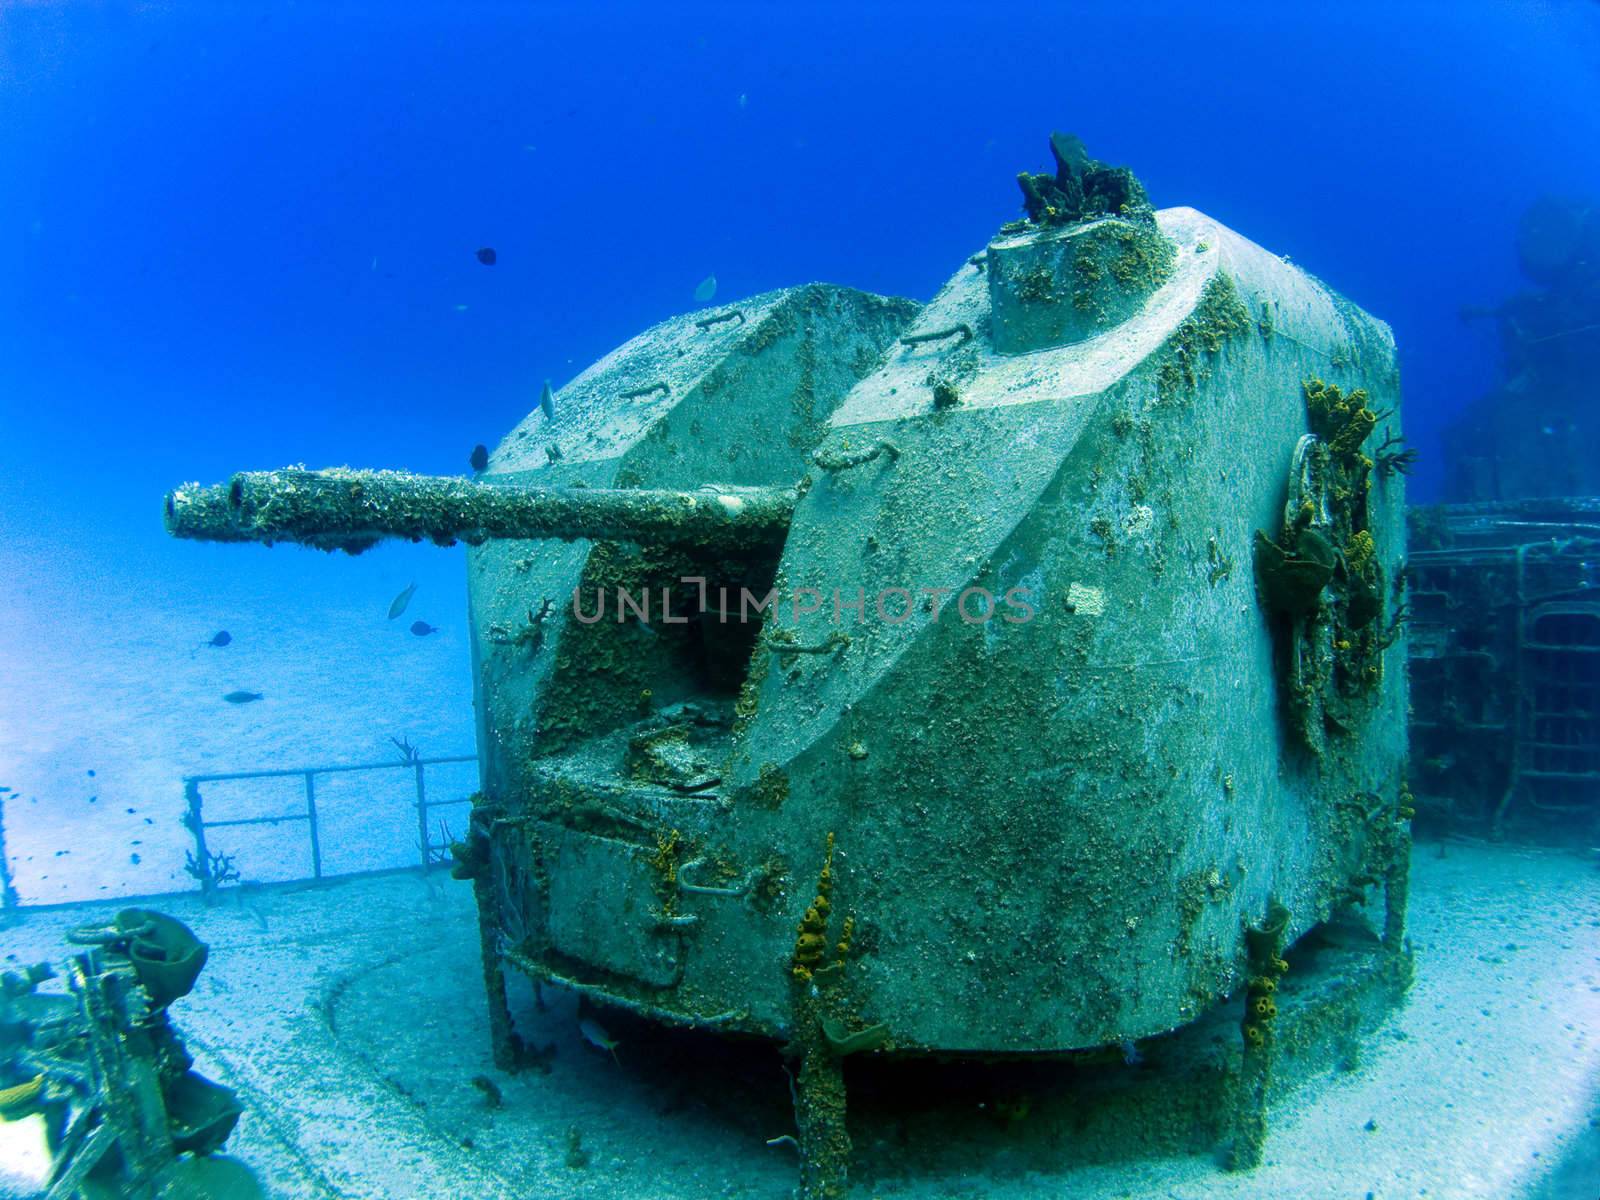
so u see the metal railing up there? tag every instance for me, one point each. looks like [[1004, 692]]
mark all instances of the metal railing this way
[[204, 865]]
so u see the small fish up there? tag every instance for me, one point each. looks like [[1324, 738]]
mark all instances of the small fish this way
[[480, 458], [487, 256], [423, 629], [242, 697], [595, 1034], [219, 639], [707, 290], [490, 1089], [547, 402], [398, 605]]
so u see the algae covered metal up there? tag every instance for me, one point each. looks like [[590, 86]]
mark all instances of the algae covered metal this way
[[1058, 688], [98, 1067], [1015, 666]]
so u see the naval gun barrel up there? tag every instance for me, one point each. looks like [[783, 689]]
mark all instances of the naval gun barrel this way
[[343, 509]]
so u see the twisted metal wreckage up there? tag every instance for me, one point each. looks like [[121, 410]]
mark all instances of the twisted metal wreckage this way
[[96, 1066]]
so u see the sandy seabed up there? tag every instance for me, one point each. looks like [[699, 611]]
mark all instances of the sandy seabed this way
[[351, 1019]]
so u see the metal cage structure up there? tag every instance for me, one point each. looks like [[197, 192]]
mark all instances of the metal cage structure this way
[[1505, 662]]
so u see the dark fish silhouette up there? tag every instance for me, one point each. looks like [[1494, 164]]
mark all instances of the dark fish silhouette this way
[[423, 629], [547, 402], [222, 638], [242, 697], [399, 603], [487, 256], [480, 458]]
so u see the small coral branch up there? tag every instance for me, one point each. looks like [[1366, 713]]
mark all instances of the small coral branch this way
[[1396, 627], [218, 868], [409, 754], [532, 632], [1394, 457]]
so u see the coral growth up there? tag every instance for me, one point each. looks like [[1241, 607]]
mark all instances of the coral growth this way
[[1081, 188], [1267, 966], [1218, 317], [811, 940], [1324, 571]]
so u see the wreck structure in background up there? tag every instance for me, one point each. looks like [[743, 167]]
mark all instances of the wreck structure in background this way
[[1505, 653], [1532, 436], [1072, 699], [1505, 664]]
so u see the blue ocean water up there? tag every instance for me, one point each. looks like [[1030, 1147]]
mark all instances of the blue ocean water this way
[[245, 235]]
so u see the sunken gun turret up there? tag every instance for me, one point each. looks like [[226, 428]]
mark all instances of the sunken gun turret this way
[[1043, 686]]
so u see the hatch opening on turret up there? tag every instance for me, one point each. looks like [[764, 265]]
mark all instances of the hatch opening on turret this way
[[659, 638]]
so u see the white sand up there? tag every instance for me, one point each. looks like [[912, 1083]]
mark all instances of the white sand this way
[[1477, 1088]]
